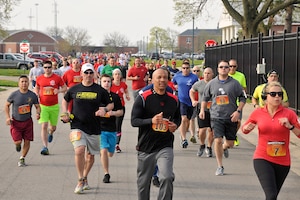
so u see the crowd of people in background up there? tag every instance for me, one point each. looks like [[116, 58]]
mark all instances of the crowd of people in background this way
[[166, 97]]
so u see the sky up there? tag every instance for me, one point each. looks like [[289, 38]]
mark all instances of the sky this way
[[131, 18]]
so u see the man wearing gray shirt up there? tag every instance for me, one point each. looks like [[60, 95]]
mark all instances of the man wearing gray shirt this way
[[223, 91]]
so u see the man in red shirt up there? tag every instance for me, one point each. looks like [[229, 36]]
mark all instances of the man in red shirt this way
[[47, 88], [72, 76], [138, 74]]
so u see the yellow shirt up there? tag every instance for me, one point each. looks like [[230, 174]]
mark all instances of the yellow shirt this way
[[257, 94]]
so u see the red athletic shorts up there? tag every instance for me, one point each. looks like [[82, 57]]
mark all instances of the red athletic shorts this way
[[21, 130]]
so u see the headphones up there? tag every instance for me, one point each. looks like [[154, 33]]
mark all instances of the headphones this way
[[264, 92]]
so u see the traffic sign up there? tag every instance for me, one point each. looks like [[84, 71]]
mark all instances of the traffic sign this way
[[210, 43], [24, 47]]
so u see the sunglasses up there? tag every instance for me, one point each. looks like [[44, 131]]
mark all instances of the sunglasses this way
[[232, 66], [273, 94], [47, 67], [221, 67], [196, 70], [88, 72], [185, 68]]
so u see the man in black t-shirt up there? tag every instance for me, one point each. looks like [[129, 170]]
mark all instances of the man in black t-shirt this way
[[90, 102]]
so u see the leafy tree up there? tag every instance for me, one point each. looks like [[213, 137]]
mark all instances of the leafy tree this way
[[163, 39], [115, 39], [6, 7], [250, 14]]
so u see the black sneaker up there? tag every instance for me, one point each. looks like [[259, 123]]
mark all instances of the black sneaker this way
[[106, 178], [208, 152], [18, 147], [155, 181]]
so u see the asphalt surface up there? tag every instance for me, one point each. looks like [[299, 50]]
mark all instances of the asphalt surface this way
[[55, 177]]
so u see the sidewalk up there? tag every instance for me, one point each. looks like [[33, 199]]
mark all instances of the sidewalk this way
[[54, 176]]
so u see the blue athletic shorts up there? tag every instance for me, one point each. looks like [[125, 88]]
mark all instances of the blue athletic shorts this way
[[108, 141]]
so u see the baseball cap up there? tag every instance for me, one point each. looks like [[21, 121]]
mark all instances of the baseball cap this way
[[87, 66], [173, 62], [272, 71]]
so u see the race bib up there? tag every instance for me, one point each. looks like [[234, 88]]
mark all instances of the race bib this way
[[208, 105], [48, 91], [162, 127], [275, 149], [77, 79], [24, 109], [75, 136], [222, 100]]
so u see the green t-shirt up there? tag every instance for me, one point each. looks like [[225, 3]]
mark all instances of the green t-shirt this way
[[108, 69]]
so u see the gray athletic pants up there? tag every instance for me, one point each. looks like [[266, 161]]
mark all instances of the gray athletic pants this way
[[145, 169]]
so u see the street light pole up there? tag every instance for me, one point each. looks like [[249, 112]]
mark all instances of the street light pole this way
[[156, 45], [36, 13], [193, 41]]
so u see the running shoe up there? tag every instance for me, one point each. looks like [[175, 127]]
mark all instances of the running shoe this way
[[79, 187], [106, 178], [45, 151], [184, 143], [50, 136], [220, 171], [208, 152], [21, 162], [193, 140], [201, 150], [118, 150], [85, 184], [155, 181], [226, 153], [236, 141], [18, 147]]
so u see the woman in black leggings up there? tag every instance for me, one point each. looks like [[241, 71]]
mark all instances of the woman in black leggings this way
[[272, 155]]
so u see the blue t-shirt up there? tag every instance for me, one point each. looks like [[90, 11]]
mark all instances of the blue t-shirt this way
[[184, 84]]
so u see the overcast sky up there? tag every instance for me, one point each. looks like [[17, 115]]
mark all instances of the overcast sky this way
[[132, 18]]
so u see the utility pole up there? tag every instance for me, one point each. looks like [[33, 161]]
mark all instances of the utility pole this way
[[30, 19], [55, 18], [36, 15]]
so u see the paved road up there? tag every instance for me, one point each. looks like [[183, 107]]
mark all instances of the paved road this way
[[54, 176]]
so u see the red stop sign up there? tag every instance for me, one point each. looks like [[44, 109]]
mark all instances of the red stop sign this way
[[210, 43], [24, 47]]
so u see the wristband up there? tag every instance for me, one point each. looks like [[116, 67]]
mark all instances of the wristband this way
[[239, 111], [292, 128]]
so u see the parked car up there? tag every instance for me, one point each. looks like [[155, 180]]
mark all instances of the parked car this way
[[185, 56], [58, 58], [154, 56], [9, 60], [39, 56], [139, 54], [31, 60], [178, 56], [167, 55]]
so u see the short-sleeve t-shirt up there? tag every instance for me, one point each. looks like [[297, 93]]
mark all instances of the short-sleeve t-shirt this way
[[47, 86], [119, 90], [109, 123], [72, 78], [22, 104], [86, 101]]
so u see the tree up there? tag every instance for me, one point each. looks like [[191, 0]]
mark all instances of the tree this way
[[162, 39], [76, 37], [115, 39], [250, 14], [53, 31], [6, 7]]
